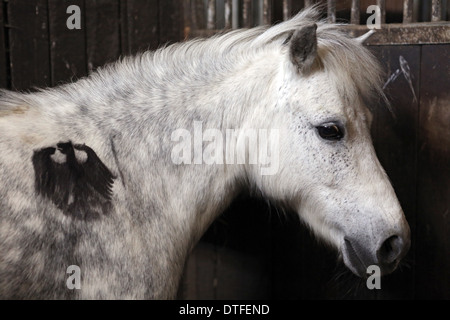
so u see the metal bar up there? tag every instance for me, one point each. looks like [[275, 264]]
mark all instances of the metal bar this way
[[235, 14], [259, 8], [247, 13], [287, 9], [211, 15], [331, 11], [382, 5], [407, 11], [227, 14], [267, 11], [356, 11], [436, 10]]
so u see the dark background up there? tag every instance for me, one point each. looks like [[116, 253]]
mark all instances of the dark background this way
[[253, 250]]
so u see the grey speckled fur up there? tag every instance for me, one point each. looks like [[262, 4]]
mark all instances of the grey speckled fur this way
[[126, 113]]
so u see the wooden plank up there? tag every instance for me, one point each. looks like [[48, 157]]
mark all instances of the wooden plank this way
[[140, 25], [401, 34], [124, 34], [102, 32], [68, 46], [3, 53], [302, 268], [29, 44], [198, 281], [187, 289], [230, 262], [242, 275], [243, 266], [170, 22], [395, 141], [433, 220]]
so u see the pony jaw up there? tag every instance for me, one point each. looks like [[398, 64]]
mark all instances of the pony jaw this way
[[356, 253]]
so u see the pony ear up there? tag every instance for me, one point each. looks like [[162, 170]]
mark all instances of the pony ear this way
[[303, 47]]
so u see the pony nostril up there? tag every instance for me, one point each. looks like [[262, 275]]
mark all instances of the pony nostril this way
[[390, 250]]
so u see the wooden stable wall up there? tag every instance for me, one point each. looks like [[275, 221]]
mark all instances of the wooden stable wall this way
[[253, 250], [37, 48], [415, 150]]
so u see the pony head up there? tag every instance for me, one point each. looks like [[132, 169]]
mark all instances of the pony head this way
[[328, 169]]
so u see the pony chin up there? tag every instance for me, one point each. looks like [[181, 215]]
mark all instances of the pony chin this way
[[330, 235], [325, 231]]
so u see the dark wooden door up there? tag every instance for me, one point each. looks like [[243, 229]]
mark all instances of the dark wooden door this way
[[37, 49]]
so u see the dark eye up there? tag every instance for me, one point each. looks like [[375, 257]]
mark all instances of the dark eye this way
[[330, 131]]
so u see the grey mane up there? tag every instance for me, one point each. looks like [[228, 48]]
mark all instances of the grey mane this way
[[200, 61]]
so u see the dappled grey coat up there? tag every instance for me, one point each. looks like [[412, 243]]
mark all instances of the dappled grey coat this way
[[88, 178]]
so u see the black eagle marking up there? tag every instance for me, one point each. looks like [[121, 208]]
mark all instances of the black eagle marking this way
[[81, 189]]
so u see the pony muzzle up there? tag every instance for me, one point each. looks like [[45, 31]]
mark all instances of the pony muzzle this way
[[387, 254]]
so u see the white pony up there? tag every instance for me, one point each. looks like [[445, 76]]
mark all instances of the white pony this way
[[89, 178]]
